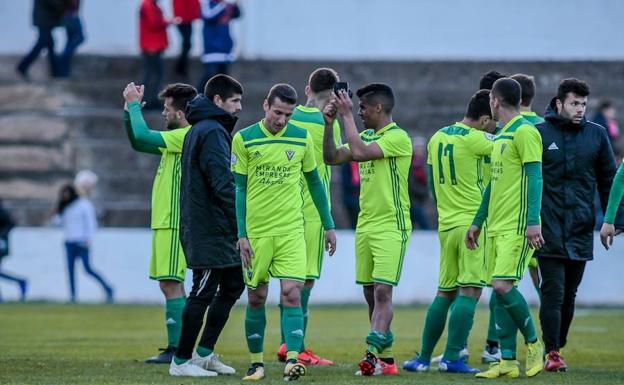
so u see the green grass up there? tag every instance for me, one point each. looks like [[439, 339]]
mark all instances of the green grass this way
[[64, 344]]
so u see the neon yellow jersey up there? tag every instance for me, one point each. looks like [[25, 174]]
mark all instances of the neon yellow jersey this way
[[312, 120], [518, 143], [273, 165], [384, 198], [166, 188], [532, 117], [456, 154]]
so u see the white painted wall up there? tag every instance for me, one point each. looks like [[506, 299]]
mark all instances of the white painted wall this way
[[370, 29], [122, 256]]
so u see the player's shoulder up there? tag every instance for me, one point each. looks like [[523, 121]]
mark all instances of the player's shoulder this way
[[294, 131], [397, 133], [250, 133], [305, 114]]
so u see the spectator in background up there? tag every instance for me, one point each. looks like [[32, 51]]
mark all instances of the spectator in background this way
[[47, 15], [186, 11], [153, 41], [606, 118], [417, 182], [218, 43], [6, 224], [76, 214], [350, 179], [75, 36]]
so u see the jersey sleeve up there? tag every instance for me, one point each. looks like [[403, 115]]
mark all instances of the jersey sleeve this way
[[239, 156], [395, 143], [337, 138], [529, 144], [429, 152], [309, 161], [174, 139], [481, 143]]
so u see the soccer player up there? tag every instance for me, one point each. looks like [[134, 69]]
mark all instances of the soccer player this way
[[168, 263], [310, 117], [511, 203], [384, 153], [487, 79], [608, 231], [455, 161], [208, 227], [527, 83], [268, 159]]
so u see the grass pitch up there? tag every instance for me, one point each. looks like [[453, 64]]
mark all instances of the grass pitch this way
[[106, 344]]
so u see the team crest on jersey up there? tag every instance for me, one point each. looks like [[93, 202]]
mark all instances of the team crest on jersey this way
[[503, 147], [290, 154]]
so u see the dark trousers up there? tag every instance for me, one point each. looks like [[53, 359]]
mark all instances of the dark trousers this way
[[210, 70], [44, 41], [75, 37], [153, 69], [560, 280], [76, 250], [186, 30], [216, 290]]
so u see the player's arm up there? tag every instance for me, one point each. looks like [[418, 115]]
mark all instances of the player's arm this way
[[332, 154], [529, 144], [430, 183], [133, 142], [608, 231], [238, 164], [360, 151], [140, 130], [472, 235]]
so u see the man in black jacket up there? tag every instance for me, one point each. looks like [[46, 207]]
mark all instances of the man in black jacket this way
[[577, 160], [208, 229]]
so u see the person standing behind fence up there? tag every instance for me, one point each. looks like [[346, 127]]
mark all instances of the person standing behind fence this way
[[153, 41], [75, 36], [6, 224], [218, 42], [186, 11], [76, 214], [47, 15]]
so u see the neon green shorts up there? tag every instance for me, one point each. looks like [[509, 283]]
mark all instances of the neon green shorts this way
[[168, 261], [315, 248], [460, 266], [508, 256], [533, 263], [281, 257], [379, 256]]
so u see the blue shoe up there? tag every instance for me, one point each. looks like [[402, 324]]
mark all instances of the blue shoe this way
[[457, 366], [416, 365]]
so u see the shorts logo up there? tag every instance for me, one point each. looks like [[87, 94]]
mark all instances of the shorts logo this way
[[290, 154]]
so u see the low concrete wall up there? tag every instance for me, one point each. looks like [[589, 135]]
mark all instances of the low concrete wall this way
[[122, 256]]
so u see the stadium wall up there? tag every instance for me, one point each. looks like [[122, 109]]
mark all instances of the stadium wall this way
[[122, 256], [368, 29]]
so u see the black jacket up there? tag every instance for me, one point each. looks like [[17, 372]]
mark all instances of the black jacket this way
[[208, 230], [577, 159], [6, 224], [48, 13]]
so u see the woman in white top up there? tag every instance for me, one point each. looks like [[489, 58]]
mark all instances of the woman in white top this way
[[76, 214]]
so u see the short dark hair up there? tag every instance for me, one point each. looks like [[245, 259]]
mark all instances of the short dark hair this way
[[527, 83], [479, 105], [576, 86], [488, 79], [322, 79], [284, 92], [604, 104], [508, 91], [180, 94], [377, 93], [223, 85]]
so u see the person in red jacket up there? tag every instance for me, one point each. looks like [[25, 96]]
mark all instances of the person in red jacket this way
[[186, 11], [153, 41]]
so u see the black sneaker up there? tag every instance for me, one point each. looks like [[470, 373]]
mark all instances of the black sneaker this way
[[164, 357]]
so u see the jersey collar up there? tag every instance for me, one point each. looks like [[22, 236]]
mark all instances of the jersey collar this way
[[512, 121], [462, 125], [303, 108], [528, 113], [268, 133], [385, 128]]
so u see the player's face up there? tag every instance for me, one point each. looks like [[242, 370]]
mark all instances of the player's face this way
[[277, 115], [232, 105], [494, 104], [573, 107], [171, 114], [369, 114]]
